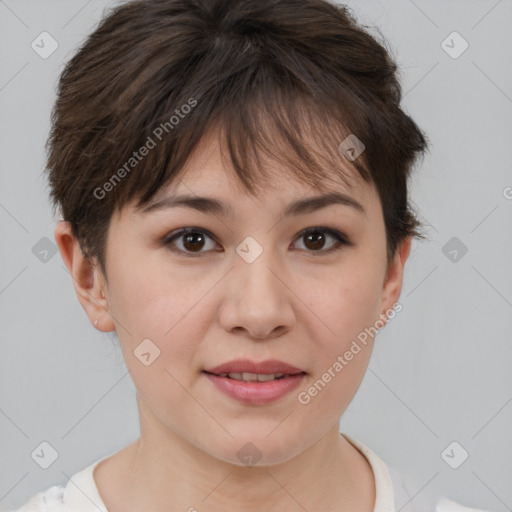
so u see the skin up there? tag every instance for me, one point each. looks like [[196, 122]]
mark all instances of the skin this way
[[295, 303]]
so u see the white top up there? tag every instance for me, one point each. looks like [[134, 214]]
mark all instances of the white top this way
[[80, 494]]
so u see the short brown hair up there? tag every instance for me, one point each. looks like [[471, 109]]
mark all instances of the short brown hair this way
[[272, 74]]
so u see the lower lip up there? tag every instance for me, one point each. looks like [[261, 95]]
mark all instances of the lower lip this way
[[256, 393]]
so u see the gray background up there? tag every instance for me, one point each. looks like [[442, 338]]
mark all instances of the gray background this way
[[441, 369]]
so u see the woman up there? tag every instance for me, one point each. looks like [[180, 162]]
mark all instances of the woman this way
[[232, 179]]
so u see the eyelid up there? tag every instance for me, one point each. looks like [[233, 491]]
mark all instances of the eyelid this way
[[335, 233], [183, 231]]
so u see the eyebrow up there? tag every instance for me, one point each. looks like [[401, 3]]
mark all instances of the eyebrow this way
[[214, 206]]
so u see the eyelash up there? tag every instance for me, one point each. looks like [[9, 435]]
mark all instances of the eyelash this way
[[340, 238]]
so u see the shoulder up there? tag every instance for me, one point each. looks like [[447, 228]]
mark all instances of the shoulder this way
[[80, 494], [50, 500], [407, 492], [396, 491]]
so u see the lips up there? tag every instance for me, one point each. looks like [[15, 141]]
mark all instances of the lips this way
[[255, 383]]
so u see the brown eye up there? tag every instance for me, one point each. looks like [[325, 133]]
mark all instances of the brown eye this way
[[315, 239], [191, 240]]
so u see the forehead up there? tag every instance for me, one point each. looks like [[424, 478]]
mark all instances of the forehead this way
[[209, 170]]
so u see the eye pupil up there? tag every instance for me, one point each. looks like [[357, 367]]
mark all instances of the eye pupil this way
[[191, 238], [317, 238]]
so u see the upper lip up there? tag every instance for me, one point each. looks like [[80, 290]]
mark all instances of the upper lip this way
[[247, 366]]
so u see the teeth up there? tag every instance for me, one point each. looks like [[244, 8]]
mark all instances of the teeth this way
[[264, 378], [253, 377]]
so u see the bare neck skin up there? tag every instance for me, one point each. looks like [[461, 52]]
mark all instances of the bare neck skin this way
[[161, 472]]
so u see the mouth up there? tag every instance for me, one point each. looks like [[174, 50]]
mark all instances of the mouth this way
[[238, 368], [255, 377], [255, 383]]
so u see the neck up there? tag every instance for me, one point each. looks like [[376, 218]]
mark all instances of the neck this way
[[161, 468]]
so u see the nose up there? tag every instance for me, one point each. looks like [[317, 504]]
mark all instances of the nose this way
[[257, 299]]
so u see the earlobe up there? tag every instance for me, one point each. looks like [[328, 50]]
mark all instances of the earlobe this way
[[87, 279]]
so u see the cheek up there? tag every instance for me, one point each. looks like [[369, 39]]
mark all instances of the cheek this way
[[164, 307], [339, 370], [342, 303], [151, 299]]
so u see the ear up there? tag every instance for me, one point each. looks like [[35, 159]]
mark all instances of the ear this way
[[88, 280], [394, 278]]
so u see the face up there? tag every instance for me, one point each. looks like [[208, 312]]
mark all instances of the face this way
[[247, 284]]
